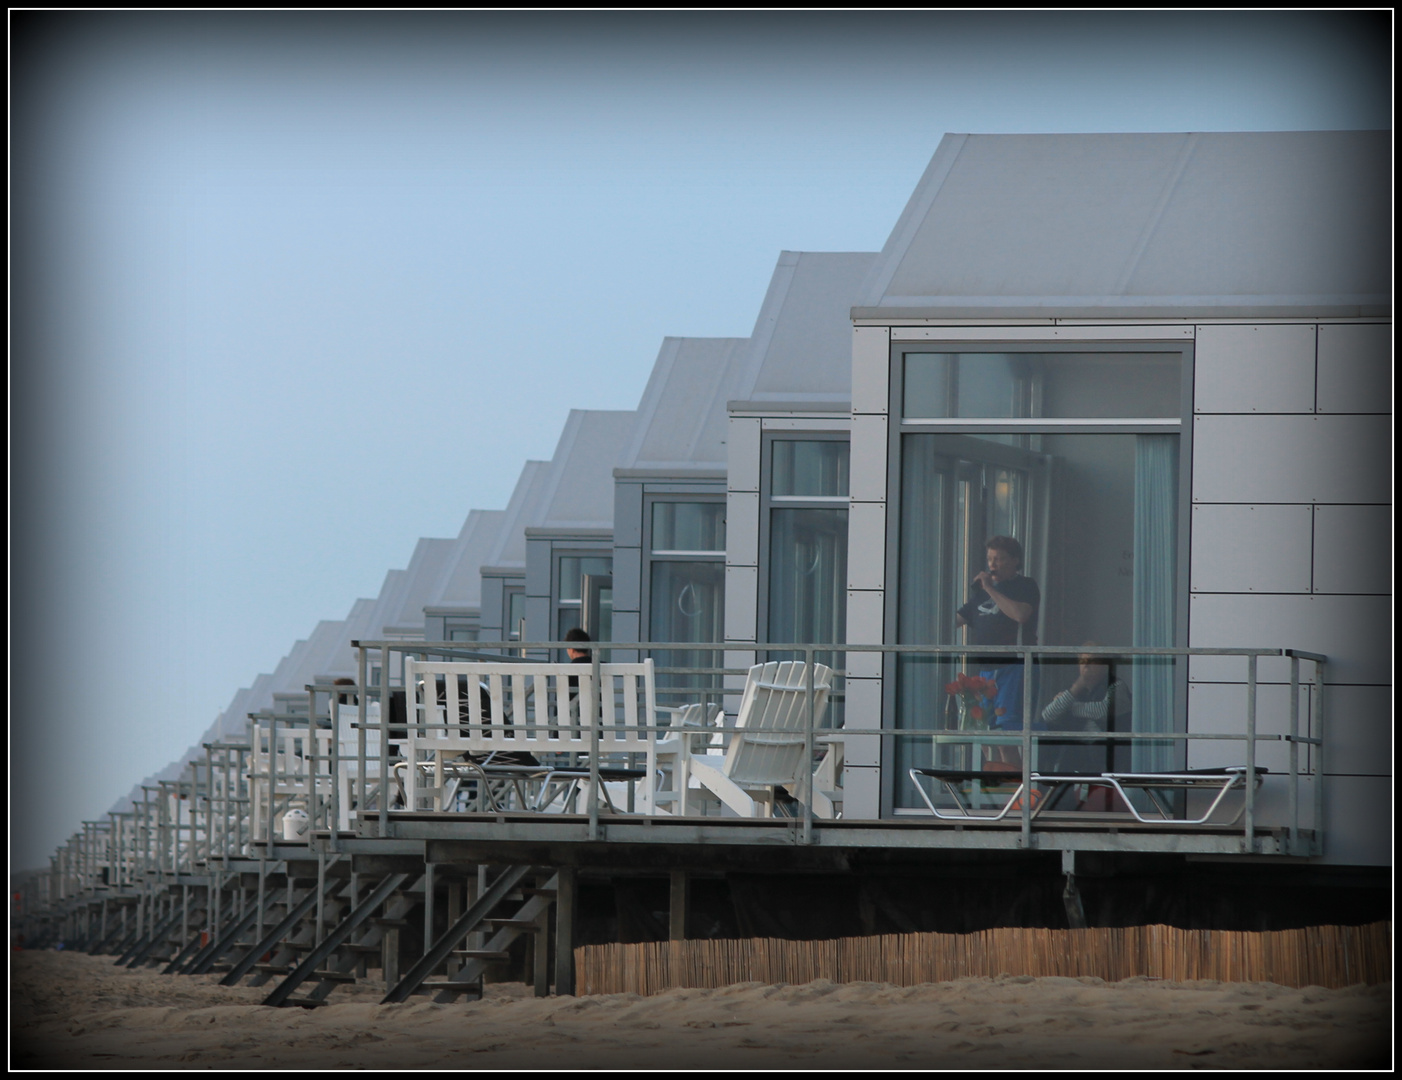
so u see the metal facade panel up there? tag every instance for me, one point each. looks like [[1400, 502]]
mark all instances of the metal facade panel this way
[[1355, 368], [538, 569], [1291, 459], [1252, 548], [863, 711], [865, 624], [627, 514], [1358, 731], [742, 453], [538, 621], [742, 528], [1352, 549], [1358, 821], [625, 628], [868, 443], [1220, 708], [871, 369], [1354, 632], [1254, 369], [627, 579], [861, 793], [866, 546], [741, 602]]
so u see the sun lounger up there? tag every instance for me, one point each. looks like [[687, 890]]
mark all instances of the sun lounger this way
[[1216, 782]]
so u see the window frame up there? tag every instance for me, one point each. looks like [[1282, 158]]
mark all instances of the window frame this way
[[768, 502], [899, 426]]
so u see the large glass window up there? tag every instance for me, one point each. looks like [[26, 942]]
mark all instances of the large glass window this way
[[686, 590], [1092, 499], [806, 595]]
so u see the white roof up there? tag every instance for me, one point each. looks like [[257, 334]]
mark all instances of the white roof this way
[[509, 547], [1250, 224], [460, 583], [801, 348], [426, 566], [681, 419], [579, 492]]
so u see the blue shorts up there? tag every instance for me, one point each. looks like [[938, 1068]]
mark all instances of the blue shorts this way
[[1008, 679]]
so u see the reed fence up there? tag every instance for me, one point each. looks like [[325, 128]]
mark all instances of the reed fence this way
[[1328, 956]]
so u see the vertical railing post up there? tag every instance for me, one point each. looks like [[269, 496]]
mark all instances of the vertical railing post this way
[[272, 775], [384, 737], [809, 659], [1317, 758], [1249, 840], [1294, 794], [595, 711], [1027, 748]]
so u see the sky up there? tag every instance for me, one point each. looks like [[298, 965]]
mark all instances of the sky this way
[[269, 269]]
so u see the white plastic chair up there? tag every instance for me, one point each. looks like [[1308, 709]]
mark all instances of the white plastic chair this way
[[768, 746]]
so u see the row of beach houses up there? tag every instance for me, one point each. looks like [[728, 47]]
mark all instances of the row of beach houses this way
[[1161, 362]]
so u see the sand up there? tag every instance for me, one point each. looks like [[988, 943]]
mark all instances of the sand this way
[[70, 1010]]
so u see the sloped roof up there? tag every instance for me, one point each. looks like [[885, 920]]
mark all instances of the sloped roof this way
[[579, 491], [509, 548], [681, 419], [460, 583], [426, 566], [1229, 224], [801, 348]]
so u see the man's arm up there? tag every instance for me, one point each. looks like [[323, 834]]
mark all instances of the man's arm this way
[[1016, 610]]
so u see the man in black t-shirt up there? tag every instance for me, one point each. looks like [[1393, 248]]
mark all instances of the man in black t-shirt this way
[[1002, 610]]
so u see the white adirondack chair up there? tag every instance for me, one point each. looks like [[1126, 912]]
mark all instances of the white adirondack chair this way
[[768, 745]]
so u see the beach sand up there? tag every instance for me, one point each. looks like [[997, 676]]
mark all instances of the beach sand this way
[[71, 1010]]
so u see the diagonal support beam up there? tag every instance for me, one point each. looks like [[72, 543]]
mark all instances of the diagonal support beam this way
[[276, 934], [439, 951], [217, 947], [335, 939]]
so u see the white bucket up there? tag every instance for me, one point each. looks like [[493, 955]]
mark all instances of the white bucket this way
[[295, 824]]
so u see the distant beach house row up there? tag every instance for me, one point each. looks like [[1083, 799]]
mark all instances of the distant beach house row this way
[[1161, 362]]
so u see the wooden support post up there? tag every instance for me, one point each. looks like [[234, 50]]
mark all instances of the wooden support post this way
[[540, 942], [677, 908], [566, 892]]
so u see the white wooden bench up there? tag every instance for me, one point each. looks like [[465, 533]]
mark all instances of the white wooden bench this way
[[506, 708]]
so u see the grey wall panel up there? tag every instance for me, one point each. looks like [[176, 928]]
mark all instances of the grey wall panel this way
[[1254, 369], [1252, 548], [1291, 459], [627, 579], [742, 528], [866, 546], [865, 624], [1352, 549], [737, 658], [868, 481], [1354, 632], [1358, 821], [628, 514], [861, 793], [871, 367], [538, 622], [1355, 368], [491, 609], [863, 711], [625, 628], [1358, 730], [538, 568], [742, 453], [1221, 708], [741, 602]]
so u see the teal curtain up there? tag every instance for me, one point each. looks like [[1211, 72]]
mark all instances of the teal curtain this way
[[1155, 562]]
